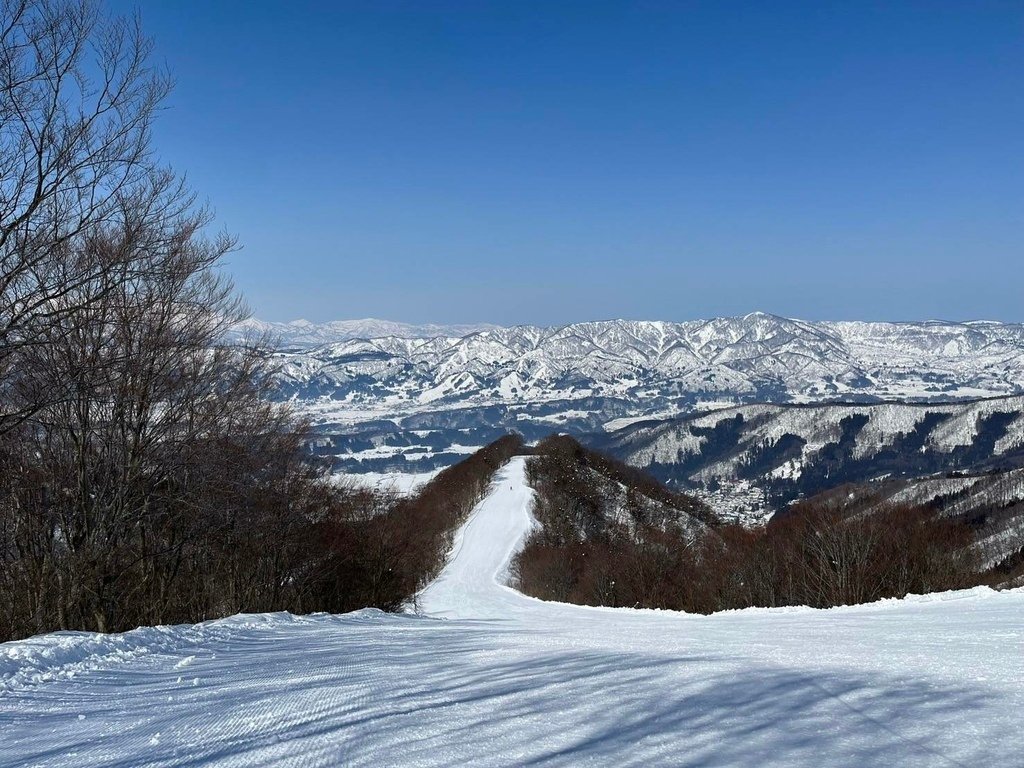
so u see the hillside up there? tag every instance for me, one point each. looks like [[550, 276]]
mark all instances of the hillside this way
[[582, 495], [749, 460], [991, 503]]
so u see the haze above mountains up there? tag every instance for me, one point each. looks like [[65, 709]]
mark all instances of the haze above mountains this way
[[304, 332]]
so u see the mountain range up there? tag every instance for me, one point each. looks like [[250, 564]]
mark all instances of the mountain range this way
[[658, 365], [750, 460], [722, 403]]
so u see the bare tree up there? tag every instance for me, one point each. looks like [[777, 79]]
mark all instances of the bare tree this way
[[147, 474], [77, 100]]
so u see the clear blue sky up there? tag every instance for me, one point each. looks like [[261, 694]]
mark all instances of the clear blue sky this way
[[544, 162]]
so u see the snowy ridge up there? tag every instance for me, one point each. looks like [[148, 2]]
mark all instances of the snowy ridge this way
[[821, 425], [785, 451], [757, 356]]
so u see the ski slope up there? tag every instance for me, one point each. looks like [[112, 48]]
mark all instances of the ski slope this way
[[487, 676]]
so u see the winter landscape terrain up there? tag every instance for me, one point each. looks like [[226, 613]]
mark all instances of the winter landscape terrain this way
[[393, 402], [754, 356], [743, 540], [749, 460], [483, 675]]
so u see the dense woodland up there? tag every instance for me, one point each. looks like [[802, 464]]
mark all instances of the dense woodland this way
[[592, 548]]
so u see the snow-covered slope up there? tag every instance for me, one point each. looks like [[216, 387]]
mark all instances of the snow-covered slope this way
[[503, 679], [763, 455]]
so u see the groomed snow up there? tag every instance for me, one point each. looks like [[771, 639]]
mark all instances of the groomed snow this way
[[487, 676]]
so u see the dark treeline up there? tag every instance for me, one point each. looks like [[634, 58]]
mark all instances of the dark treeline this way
[[824, 556], [146, 475], [608, 533], [818, 555]]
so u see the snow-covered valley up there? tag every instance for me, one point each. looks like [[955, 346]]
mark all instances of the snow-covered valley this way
[[483, 675]]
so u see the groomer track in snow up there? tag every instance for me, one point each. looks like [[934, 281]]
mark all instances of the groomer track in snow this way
[[487, 676]]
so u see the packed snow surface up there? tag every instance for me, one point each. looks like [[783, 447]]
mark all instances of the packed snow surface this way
[[487, 676]]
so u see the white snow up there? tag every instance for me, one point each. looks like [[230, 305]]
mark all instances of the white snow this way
[[488, 676], [399, 483]]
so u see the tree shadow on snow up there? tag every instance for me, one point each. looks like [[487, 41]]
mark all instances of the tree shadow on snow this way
[[445, 693]]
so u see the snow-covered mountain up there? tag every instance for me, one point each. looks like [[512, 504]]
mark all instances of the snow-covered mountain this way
[[751, 459], [393, 398], [659, 365]]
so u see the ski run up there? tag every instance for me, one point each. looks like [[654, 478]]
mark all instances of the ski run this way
[[482, 675]]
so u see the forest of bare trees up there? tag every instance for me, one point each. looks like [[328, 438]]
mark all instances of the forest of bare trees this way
[[146, 475], [588, 551]]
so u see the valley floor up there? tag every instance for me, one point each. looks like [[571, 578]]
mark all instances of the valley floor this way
[[487, 676]]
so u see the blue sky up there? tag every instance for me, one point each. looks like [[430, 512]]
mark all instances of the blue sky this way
[[545, 162]]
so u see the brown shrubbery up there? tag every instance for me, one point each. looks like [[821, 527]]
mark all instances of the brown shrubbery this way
[[815, 555], [822, 557], [609, 534], [236, 526]]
